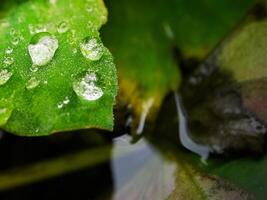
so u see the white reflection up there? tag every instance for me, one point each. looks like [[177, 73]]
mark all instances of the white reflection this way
[[141, 172]]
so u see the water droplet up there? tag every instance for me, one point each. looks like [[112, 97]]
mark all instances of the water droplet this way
[[15, 40], [53, 2], [34, 68], [31, 29], [8, 61], [32, 83], [66, 100], [74, 51], [42, 48], [40, 29], [21, 19], [9, 50], [5, 75], [92, 49], [87, 89], [90, 9], [12, 31], [63, 103], [63, 27]]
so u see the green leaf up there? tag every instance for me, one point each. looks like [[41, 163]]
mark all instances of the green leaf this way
[[247, 172], [142, 34], [55, 74]]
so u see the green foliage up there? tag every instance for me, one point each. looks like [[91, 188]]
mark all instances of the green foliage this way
[[142, 35], [47, 82]]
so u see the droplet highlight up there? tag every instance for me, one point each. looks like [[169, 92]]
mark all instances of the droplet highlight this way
[[86, 88], [92, 49], [42, 48], [32, 83], [5, 75], [66, 101], [63, 27]]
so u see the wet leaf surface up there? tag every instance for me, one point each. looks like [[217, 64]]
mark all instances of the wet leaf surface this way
[[54, 75]]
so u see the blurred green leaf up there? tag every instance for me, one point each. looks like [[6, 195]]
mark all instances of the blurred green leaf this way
[[248, 173], [55, 76], [142, 34]]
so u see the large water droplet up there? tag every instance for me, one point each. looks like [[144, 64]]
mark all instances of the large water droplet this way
[[63, 27], [42, 48], [87, 89], [5, 75], [32, 83], [92, 49]]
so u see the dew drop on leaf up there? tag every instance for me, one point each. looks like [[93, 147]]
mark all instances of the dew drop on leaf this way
[[63, 27], [42, 48], [34, 68], [9, 50], [8, 60], [87, 89], [91, 49], [32, 83], [66, 101], [15, 41], [5, 75]]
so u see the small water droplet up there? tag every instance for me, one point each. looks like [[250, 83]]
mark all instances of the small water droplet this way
[[40, 29], [9, 50], [34, 68], [42, 48], [32, 83], [8, 61], [74, 51], [12, 31], [15, 40], [92, 49], [53, 2], [31, 29], [5, 75], [87, 89], [21, 19], [63, 27], [66, 101], [89, 9]]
